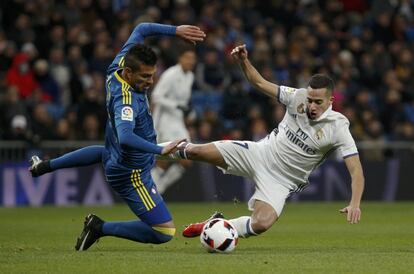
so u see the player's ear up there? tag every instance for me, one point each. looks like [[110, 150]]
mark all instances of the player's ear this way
[[128, 72], [329, 95]]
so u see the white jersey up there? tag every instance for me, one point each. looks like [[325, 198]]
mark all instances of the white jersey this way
[[301, 144], [172, 91]]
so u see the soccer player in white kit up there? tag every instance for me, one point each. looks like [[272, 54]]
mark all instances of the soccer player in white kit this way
[[170, 98], [282, 162]]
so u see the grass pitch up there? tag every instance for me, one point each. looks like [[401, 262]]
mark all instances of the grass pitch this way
[[309, 238]]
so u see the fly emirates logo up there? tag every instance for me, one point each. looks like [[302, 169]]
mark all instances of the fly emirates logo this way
[[298, 138]]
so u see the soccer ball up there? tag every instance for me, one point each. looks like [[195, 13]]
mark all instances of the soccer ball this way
[[219, 235]]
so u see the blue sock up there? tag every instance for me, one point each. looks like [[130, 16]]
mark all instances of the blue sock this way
[[82, 157], [136, 231]]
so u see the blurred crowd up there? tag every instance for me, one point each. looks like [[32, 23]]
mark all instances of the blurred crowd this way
[[54, 54]]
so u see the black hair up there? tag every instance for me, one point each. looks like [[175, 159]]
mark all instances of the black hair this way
[[185, 48], [139, 54], [322, 81]]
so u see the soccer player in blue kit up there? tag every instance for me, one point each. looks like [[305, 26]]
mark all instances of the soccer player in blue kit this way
[[130, 143]]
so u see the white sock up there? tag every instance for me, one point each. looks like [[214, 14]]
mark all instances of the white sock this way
[[243, 226], [169, 177]]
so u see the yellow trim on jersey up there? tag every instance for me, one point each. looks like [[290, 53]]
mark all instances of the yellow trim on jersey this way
[[141, 190], [126, 94], [121, 62], [165, 230]]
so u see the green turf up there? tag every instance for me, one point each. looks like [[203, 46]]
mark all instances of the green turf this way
[[309, 238]]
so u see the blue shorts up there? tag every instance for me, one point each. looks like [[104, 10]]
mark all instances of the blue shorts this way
[[139, 191]]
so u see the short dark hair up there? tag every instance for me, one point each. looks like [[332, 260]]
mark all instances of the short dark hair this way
[[139, 54], [185, 48], [318, 81]]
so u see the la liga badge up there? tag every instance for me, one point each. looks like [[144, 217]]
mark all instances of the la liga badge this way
[[127, 114]]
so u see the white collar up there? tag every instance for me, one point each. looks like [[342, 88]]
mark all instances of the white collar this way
[[323, 115]]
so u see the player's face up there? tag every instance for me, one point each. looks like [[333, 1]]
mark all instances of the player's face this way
[[143, 78], [188, 60], [318, 101]]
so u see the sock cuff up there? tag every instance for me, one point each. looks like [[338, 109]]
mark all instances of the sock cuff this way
[[170, 231], [183, 153]]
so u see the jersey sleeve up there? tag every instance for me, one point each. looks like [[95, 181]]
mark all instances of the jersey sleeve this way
[[138, 36], [345, 142], [286, 95], [125, 113]]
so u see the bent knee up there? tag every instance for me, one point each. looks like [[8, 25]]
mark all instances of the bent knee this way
[[164, 234]]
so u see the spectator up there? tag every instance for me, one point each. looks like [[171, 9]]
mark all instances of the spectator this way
[[46, 82], [364, 45], [11, 106], [18, 129], [210, 74], [42, 123], [21, 75]]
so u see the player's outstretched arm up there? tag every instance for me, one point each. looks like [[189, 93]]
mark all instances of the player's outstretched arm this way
[[190, 33], [355, 170], [240, 54]]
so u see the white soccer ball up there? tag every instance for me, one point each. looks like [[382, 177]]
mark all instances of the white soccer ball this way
[[219, 235]]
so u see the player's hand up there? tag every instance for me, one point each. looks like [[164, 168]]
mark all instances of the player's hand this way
[[239, 53], [172, 147], [353, 214], [190, 33]]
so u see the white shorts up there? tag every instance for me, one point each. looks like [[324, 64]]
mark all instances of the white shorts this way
[[249, 159]]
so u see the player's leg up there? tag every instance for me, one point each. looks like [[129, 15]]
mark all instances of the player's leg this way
[[198, 152], [262, 218], [136, 230], [155, 223], [171, 174], [267, 204], [205, 153], [165, 174], [155, 226], [82, 157], [248, 159]]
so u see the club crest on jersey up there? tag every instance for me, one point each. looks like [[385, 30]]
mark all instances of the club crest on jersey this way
[[301, 108], [319, 134], [127, 114], [288, 89]]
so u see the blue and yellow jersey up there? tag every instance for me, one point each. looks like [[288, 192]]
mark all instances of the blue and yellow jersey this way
[[129, 117], [128, 111]]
